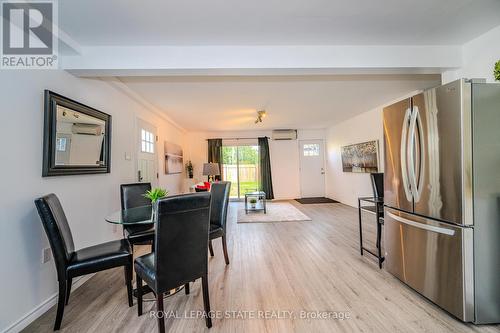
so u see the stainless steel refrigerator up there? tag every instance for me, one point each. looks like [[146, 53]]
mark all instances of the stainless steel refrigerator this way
[[442, 197]]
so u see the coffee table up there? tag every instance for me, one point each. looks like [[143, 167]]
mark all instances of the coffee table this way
[[261, 201]]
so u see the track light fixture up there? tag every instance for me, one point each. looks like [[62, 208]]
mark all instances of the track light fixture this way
[[260, 115]]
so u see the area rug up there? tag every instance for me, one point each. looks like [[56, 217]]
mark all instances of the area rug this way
[[276, 212], [319, 200]]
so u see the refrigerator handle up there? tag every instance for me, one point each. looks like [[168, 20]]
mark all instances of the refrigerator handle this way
[[421, 169], [404, 156], [411, 153], [439, 230], [415, 132]]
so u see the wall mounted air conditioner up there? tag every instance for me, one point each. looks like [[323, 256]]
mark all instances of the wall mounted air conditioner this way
[[86, 129], [284, 134]]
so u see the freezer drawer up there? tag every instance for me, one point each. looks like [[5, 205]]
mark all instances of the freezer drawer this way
[[433, 258]]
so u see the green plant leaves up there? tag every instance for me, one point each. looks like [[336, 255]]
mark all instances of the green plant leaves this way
[[155, 194], [496, 72]]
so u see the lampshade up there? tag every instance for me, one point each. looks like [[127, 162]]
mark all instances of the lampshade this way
[[211, 169]]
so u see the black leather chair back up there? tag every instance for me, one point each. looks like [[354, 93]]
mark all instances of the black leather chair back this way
[[58, 232], [377, 184], [132, 195], [220, 201], [181, 239]]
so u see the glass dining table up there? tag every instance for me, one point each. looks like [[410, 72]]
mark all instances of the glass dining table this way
[[138, 216], [132, 216]]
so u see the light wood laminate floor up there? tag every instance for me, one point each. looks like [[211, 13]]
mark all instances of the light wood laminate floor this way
[[288, 266]]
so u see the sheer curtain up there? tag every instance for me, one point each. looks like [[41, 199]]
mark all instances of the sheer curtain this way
[[265, 168]]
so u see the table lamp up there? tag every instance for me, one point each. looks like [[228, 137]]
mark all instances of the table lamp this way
[[211, 170]]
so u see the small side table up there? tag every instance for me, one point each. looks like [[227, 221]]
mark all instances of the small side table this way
[[261, 201], [376, 207]]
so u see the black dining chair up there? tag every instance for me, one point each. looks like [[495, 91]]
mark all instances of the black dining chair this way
[[132, 195], [377, 179], [218, 215], [180, 255], [377, 184], [70, 263]]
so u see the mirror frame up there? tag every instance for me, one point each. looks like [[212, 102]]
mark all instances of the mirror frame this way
[[49, 167]]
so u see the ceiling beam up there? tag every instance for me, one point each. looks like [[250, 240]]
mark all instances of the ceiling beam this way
[[261, 60]]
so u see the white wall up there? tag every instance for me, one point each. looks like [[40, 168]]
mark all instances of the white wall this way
[[26, 283], [346, 187], [479, 58], [284, 157]]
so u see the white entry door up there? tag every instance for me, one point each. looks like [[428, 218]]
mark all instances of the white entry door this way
[[147, 160], [312, 168]]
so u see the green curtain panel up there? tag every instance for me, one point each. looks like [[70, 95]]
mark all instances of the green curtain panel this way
[[215, 153], [266, 182]]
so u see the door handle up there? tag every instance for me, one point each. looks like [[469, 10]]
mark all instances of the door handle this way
[[421, 169], [139, 176], [404, 156], [411, 152], [415, 130], [439, 230]]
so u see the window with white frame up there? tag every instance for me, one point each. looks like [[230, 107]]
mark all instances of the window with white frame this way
[[147, 142], [311, 149]]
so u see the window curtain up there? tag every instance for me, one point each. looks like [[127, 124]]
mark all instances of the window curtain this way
[[266, 183], [215, 154]]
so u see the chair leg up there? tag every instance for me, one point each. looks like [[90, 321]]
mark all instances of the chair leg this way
[[128, 282], [206, 300], [224, 248], [186, 288], [60, 304], [159, 308], [138, 280], [210, 248], [68, 289]]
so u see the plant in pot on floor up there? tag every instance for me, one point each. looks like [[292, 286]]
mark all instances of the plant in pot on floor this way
[[189, 169], [253, 203], [154, 195]]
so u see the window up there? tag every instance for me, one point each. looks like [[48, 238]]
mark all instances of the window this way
[[311, 149], [61, 144], [147, 142], [240, 166]]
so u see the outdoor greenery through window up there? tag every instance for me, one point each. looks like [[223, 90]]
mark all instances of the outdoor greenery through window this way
[[240, 165]]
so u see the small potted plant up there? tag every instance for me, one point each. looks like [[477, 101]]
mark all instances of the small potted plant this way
[[496, 72], [253, 202], [154, 195], [189, 169]]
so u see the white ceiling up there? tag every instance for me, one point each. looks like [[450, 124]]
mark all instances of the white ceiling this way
[[214, 103], [305, 102], [277, 22]]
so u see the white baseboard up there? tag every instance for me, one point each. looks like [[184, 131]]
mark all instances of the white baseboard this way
[[31, 316]]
